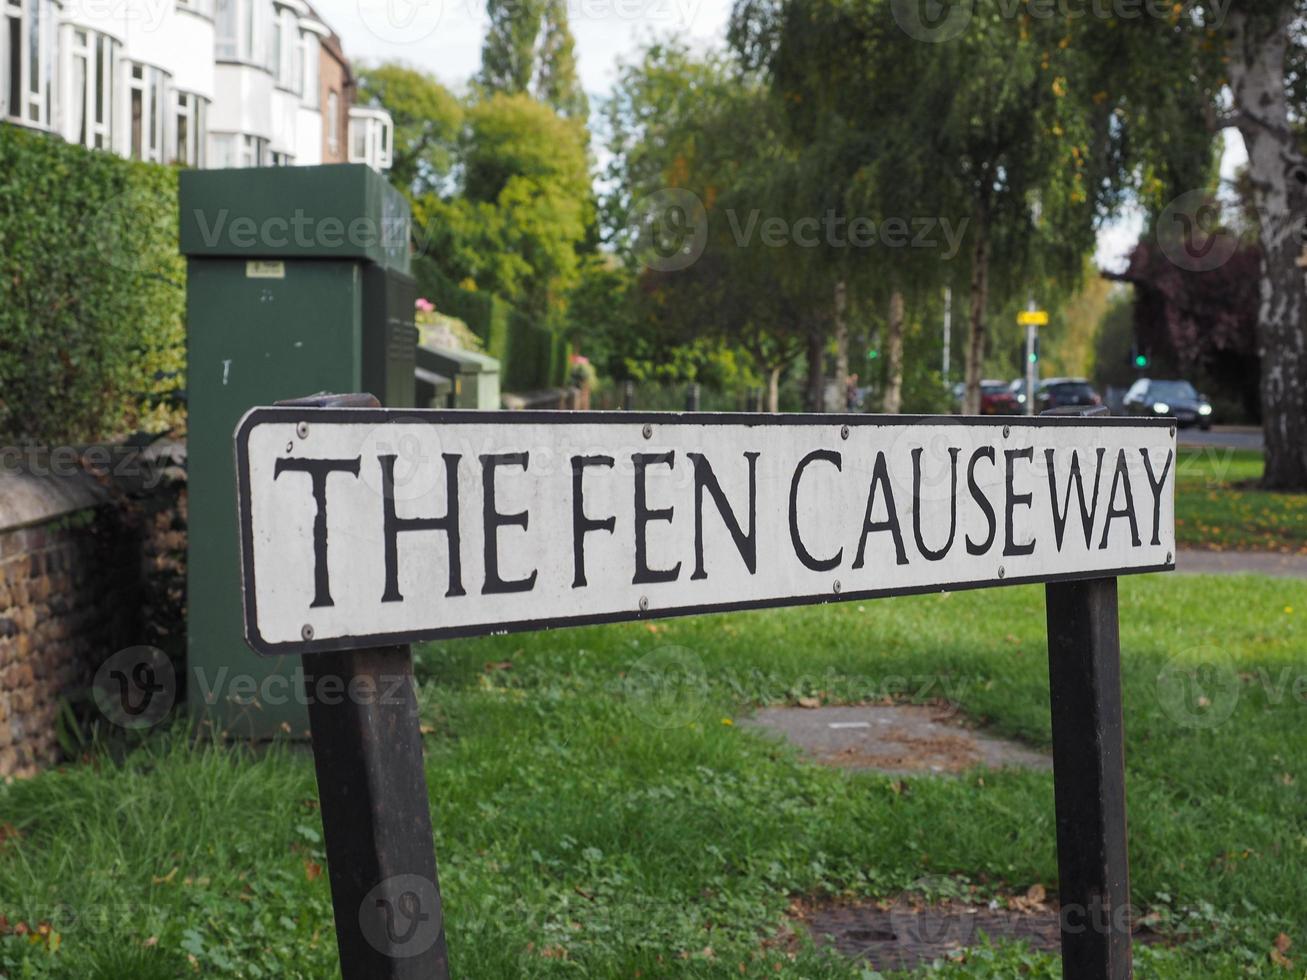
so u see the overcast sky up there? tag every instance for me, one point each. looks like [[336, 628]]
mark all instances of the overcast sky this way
[[444, 37]]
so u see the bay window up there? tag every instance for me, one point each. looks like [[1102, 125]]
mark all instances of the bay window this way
[[147, 106], [90, 66], [27, 30], [190, 111], [286, 51], [228, 150], [242, 30], [309, 63]]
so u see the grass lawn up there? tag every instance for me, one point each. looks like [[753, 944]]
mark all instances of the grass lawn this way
[[599, 813], [1218, 507]]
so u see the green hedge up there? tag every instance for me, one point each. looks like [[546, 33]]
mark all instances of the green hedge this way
[[92, 291], [530, 356]]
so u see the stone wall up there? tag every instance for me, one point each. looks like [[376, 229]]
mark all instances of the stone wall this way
[[86, 568]]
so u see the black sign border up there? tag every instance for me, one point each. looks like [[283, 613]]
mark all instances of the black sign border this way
[[430, 416]]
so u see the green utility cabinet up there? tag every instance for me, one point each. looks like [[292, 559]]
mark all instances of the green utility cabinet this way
[[296, 283], [475, 376]]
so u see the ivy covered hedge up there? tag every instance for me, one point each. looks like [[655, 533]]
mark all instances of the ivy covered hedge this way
[[92, 292], [530, 356]]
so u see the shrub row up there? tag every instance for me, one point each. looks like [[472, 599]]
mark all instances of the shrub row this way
[[530, 356], [92, 291]]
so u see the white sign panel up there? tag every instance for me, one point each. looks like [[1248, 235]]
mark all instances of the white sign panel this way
[[368, 527]]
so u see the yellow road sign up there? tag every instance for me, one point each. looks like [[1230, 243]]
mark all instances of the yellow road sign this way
[[1037, 318]]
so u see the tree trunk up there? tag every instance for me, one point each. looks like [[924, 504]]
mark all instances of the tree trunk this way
[[979, 300], [893, 403], [816, 369], [774, 389], [1278, 173], [841, 325]]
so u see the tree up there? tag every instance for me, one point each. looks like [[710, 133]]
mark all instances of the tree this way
[[427, 120], [529, 49], [675, 143], [994, 128], [1258, 50], [515, 220]]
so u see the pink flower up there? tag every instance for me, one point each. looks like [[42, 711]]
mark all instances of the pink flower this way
[[425, 305], [580, 359]]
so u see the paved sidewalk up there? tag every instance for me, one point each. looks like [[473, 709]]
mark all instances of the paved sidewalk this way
[[1194, 562], [1223, 437]]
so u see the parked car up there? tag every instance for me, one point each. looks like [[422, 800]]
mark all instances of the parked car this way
[[1179, 400], [996, 399], [1055, 393], [1064, 392]]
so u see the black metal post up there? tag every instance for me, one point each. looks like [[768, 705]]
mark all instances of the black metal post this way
[[1084, 660], [692, 397], [376, 816]]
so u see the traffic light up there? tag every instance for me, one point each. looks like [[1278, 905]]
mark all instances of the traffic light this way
[[872, 354], [1141, 360], [1033, 356], [1138, 358]]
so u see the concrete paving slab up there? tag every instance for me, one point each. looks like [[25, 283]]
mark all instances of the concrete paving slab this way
[[895, 739]]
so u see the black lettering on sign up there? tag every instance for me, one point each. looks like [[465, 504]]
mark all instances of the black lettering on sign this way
[[1087, 514], [745, 544], [1122, 477], [984, 452], [493, 521], [1015, 500], [880, 475], [318, 471], [816, 564], [1156, 486], [582, 525], [916, 505], [643, 515], [393, 526]]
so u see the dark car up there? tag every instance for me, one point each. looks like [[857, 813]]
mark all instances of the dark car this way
[[1067, 392], [996, 399], [1169, 399], [1055, 393]]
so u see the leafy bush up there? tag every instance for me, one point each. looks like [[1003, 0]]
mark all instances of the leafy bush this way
[[92, 291], [530, 356]]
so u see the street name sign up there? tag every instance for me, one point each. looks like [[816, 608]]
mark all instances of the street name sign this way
[[1033, 318], [363, 528]]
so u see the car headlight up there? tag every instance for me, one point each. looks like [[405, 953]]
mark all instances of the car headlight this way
[[1204, 409], [1161, 408]]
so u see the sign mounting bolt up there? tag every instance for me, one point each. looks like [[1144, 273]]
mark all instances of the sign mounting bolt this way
[[1169, 557], [1007, 431], [844, 431], [648, 431], [837, 586], [302, 430], [1002, 572], [306, 631], [644, 603]]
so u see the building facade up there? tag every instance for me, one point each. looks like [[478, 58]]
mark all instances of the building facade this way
[[202, 83]]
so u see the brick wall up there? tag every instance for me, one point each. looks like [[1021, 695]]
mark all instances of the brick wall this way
[[86, 569]]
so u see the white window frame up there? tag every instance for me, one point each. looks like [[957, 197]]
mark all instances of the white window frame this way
[[333, 122], [194, 110], [371, 134], [155, 88], [100, 55], [251, 22], [286, 50], [310, 81], [31, 104]]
